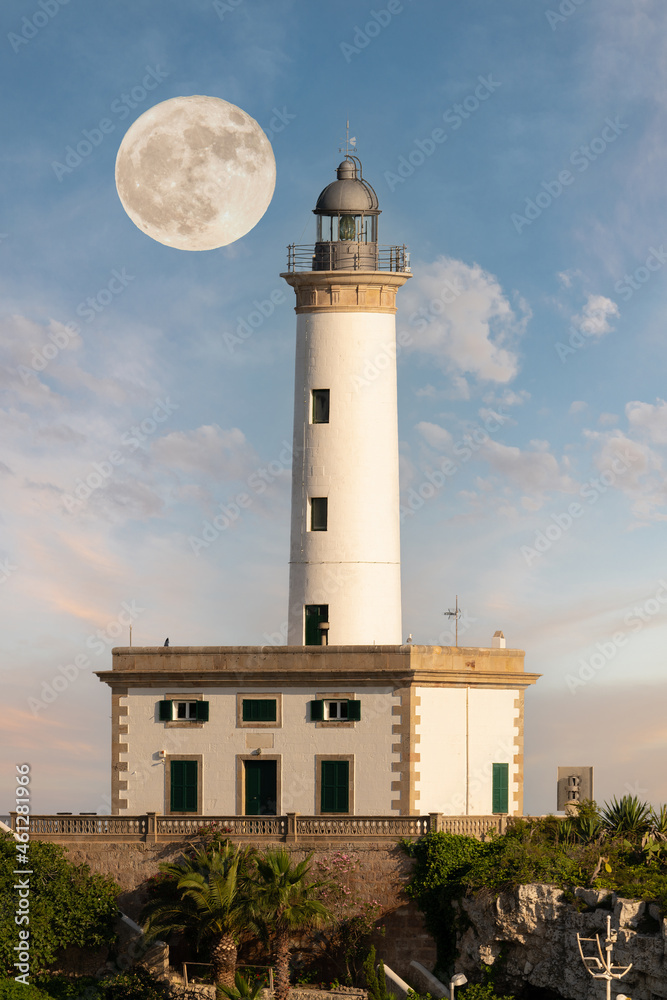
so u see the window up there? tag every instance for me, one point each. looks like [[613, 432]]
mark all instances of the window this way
[[259, 710], [186, 709], [316, 615], [318, 513], [335, 710], [500, 792], [320, 406], [335, 786], [171, 710], [340, 710], [183, 786]]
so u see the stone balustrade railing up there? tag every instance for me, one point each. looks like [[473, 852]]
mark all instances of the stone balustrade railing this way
[[153, 827]]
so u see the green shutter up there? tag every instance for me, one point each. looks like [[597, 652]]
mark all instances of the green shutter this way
[[500, 795], [317, 710], [315, 613], [165, 711], [259, 710], [335, 786], [202, 711], [354, 710], [183, 786], [260, 787]]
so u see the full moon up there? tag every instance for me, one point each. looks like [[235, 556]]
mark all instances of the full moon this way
[[195, 173]]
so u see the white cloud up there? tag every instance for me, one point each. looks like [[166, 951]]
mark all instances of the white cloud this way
[[462, 319], [534, 472], [434, 435], [593, 320], [566, 278], [577, 406], [649, 419], [208, 450]]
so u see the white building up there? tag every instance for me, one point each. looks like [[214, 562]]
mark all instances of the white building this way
[[344, 720]]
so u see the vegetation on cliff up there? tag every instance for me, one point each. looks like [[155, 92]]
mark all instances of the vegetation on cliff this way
[[67, 904], [622, 848]]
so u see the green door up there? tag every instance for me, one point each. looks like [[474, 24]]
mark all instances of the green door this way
[[183, 786], [335, 797], [260, 788], [315, 613], [500, 794]]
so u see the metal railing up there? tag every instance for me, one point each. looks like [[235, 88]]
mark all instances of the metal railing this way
[[153, 827], [208, 965], [358, 257]]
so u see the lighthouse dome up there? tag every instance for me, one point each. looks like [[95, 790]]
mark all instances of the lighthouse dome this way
[[349, 193]]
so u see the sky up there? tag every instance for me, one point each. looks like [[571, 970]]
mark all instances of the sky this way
[[519, 150]]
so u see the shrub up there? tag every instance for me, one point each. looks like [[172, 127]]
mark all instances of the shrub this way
[[69, 905], [11, 990]]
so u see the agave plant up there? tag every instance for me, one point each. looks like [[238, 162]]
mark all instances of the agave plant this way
[[627, 816], [241, 990], [587, 828], [659, 823]]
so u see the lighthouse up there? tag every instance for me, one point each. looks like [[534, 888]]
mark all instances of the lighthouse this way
[[345, 720], [345, 586]]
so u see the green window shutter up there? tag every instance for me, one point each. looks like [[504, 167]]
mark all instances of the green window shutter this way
[[259, 710], [315, 613], [202, 711], [335, 786], [353, 710], [316, 710], [183, 786], [500, 794], [165, 713]]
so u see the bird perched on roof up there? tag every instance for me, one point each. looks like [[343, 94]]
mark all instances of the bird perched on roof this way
[[166, 642]]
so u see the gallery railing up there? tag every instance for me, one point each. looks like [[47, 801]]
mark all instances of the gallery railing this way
[[154, 827]]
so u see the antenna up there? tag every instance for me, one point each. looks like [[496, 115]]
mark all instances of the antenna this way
[[130, 635], [601, 966], [350, 144], [455, 614]]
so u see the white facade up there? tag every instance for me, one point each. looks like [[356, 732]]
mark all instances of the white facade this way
[[462, 733], [223, 743], [353, 566]]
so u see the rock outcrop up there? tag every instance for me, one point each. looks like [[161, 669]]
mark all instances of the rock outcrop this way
[[530, 935]]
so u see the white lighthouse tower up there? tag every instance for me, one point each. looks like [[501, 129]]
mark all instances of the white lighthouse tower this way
[[345, 539]]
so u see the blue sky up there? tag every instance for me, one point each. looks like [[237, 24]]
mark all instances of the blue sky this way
[[519, 150]]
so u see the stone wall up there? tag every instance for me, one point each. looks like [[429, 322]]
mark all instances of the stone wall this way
[[531, 934], [382, 870]]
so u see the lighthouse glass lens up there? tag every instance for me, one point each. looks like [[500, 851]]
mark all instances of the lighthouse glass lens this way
[[347, 229]]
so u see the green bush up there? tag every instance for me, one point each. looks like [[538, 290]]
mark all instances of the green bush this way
[[479, 991], [621, 849], [11, 990], [60, 987], [135, 985], [69, 905]]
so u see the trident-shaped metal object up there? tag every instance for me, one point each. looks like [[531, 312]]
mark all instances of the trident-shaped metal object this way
[[601, 966]]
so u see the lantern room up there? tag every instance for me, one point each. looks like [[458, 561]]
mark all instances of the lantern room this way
[[347, 216]]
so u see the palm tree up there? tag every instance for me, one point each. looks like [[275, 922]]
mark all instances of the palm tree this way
[[210, 898], [285, 902]]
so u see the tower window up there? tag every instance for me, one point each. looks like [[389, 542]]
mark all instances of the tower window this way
[[316, 615], [320, 406], [318, 513]]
